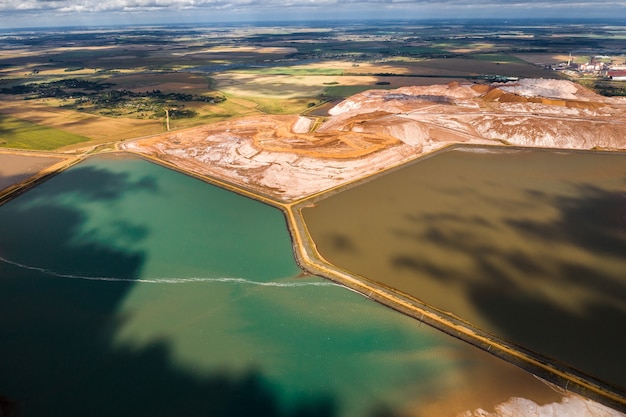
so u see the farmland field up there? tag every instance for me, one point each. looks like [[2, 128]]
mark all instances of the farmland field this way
[[97, 129], [109, 88], [345, 90], [22, 134]]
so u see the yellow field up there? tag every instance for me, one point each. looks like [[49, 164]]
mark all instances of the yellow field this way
[[97, 128], [271, 86]]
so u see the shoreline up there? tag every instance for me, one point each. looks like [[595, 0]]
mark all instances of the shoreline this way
[[21, 164], [309, 259], [560, 374]]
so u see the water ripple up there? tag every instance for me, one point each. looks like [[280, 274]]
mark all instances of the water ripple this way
[[169, 280]]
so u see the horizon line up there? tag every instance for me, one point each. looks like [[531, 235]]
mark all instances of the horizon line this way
[[319, 21]]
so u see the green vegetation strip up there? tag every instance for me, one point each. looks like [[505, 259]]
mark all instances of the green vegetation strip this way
[[417, 50], [503, 58], [347, 90], [604, 87], [22, 134], [350, 90], [294, 71]]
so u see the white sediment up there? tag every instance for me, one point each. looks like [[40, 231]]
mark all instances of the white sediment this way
[[172, 280], [571, 405]]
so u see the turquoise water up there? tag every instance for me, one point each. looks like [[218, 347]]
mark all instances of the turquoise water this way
[[130, 289]]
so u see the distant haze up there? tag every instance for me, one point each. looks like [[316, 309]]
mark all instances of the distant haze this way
[[42, 13]]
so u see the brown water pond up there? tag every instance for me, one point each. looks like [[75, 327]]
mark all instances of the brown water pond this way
[[529, 245]]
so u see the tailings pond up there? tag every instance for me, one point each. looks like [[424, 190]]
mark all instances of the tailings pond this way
[[128, 289], [529, 245]]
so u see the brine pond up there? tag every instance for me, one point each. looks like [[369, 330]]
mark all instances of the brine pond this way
[[129, 289], [529, 245]]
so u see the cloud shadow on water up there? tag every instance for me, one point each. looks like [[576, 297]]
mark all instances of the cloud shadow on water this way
[[56, 354], [558, 303]]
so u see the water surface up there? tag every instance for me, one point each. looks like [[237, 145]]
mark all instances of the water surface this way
[[528, 245], [130, 289]]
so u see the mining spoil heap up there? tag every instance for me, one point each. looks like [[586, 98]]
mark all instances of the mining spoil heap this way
[[291, 157]]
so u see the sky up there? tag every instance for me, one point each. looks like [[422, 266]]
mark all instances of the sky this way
[[41, 13]]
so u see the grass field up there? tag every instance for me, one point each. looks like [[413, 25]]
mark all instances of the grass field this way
[[238, 106], [605, 87], [349, 90], [97, 129], [22, 134], [283, 106]]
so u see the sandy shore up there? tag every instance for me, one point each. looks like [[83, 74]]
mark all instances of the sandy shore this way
[[15, 168]]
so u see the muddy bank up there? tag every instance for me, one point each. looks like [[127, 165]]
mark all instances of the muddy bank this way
[[15, 168]]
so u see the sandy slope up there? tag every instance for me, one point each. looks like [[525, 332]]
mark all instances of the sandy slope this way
[[15, 167]]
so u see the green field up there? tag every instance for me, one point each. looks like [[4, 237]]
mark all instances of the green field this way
[[282, 106], [22, 134], [349, 90], [607, 88]]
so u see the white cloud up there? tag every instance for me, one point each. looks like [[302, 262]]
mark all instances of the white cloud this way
[[98, 5], [282, 9]]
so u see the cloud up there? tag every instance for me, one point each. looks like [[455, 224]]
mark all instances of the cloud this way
[[99, 5], [278, 9]]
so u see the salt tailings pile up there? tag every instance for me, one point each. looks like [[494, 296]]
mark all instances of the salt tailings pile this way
[[570, 406], [377, 129]]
